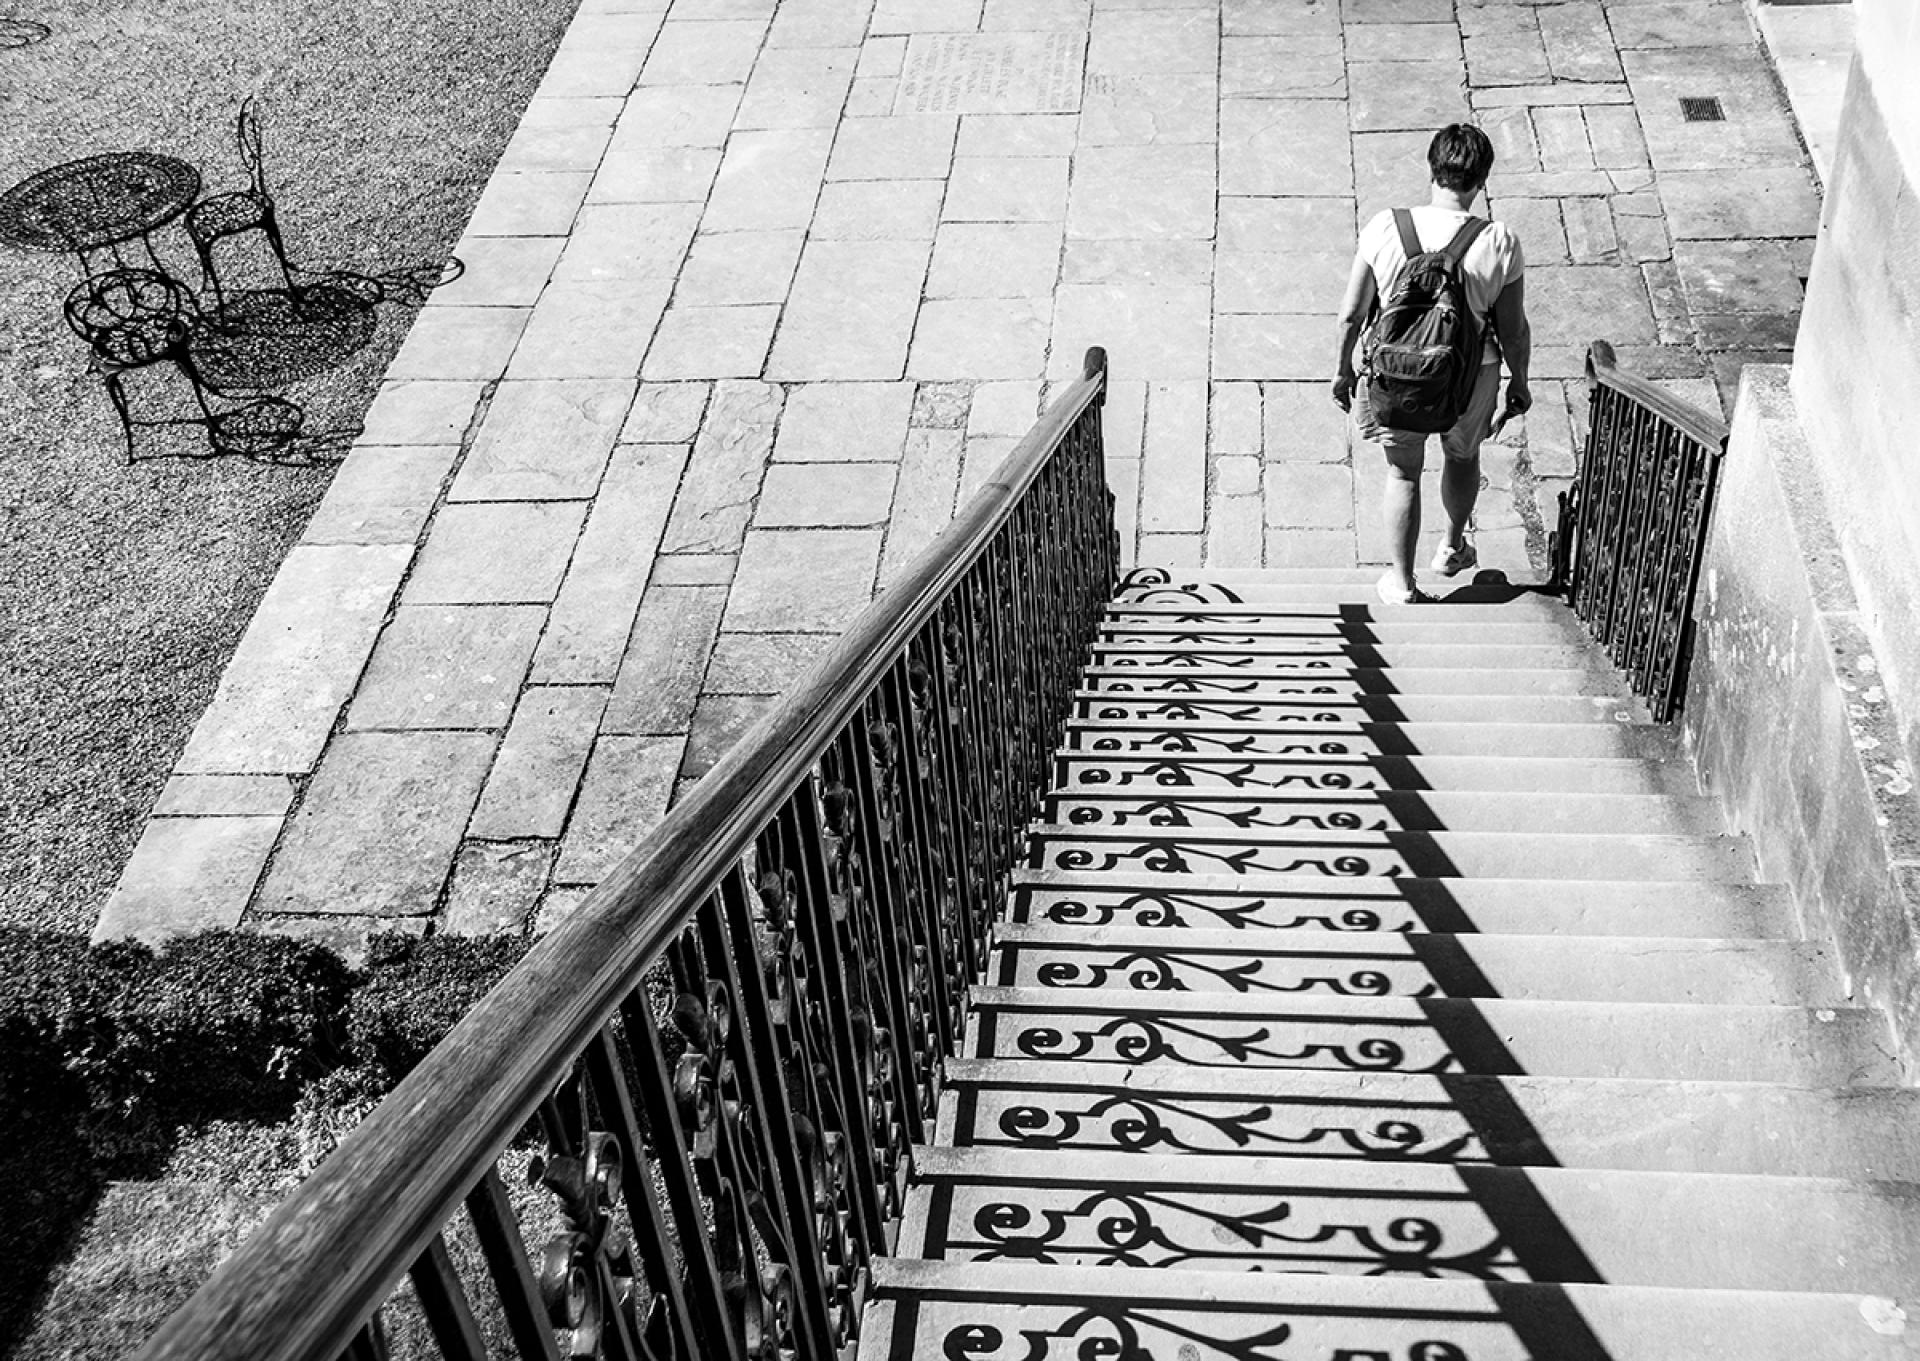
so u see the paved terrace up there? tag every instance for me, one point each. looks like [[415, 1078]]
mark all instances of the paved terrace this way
[[760, 289]]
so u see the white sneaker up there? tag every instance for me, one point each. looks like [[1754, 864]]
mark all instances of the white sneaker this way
[[1391, 593], [1450, 561]]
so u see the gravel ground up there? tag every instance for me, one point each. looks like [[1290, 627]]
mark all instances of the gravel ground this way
[[124, 590]]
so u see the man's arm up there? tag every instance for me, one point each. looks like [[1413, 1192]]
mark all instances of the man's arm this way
[[1516, 344], [1354, 311]]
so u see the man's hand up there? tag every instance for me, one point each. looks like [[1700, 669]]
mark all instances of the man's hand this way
[[1519, 401], [1343, 391]]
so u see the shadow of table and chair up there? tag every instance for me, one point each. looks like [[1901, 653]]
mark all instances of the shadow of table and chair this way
[[221, 357], [222, 364]]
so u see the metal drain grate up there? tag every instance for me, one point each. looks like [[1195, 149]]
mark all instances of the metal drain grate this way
[[1702, 109]]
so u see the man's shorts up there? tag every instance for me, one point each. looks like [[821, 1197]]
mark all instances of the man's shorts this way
[[1463, 441]]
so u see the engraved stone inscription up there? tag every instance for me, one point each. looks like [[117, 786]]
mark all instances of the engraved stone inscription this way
[[992, 73]]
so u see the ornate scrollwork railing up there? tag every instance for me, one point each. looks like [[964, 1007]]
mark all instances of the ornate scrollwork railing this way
[[1633, 528], [725, 1057]]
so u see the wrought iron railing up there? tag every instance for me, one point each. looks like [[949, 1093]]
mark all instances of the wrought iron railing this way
[[1633, 527], [710, 1079]]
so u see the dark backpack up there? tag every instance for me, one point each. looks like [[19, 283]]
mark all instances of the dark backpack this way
[[1422, 352]]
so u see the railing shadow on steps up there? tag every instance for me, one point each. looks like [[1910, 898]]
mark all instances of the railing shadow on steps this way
[[1632, 530], [729, 1051]]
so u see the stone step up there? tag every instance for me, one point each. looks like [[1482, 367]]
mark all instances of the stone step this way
[[1804, 1046], [1466, 609], [994, 1311], [1687, 1231], [1303, 653], [1277, 632], [1239, 582], [1429, 855], [1410, 810], [1447, 598], [1257, 774], [1152, 576], [1347, 738], [1322, 680], [1644, 1124], [1315, 710], [1423, 964], [1510, 907], [1156, 575], [1351, 592]]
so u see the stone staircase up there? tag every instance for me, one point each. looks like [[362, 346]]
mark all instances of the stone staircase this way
[[1379, 987]]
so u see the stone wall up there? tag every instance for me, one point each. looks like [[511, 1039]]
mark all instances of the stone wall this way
[[1806, 681], [1857, 356], [1787, 715]]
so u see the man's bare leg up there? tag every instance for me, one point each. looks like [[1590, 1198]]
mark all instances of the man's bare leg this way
[[1400, 512], [1459, 489]]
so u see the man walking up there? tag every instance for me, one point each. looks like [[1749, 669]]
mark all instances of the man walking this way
[[1490, 269]]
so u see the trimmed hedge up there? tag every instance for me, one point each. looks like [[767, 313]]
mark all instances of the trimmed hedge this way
[[105, 1051], [223, 1025], [46, 987]]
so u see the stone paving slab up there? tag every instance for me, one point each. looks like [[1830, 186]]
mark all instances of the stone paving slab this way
[[446, 666], [538, 767], [666, 661], [298, 661], [760, 292], [218, 796], [193, 873], [627, 785], [496, 553], [1812, 47], [586, 630], [398, 802], [384, 497]]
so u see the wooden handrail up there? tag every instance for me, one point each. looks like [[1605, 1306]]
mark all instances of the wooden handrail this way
[[1698, 425], [331, 1253]]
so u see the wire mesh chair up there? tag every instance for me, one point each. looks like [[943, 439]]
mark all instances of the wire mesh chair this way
[[136, 319], [132, 317], [219, 217], [237, 343]]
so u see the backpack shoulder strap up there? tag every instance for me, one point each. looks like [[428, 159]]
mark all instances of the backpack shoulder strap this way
[[1463, 239], [1409, 238]]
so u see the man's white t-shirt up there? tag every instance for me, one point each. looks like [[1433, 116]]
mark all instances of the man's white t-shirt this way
[[1493, 261]]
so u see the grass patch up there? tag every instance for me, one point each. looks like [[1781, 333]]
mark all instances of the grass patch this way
[[127, 589]]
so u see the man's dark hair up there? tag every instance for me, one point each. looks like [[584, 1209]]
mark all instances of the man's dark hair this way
[[1460, 157]]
